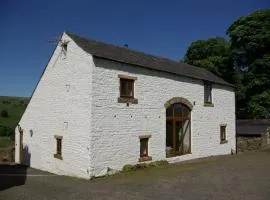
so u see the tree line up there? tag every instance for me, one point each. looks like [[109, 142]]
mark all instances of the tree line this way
[[243, 60]]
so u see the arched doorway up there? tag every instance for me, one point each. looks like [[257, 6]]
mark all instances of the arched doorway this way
[[178, 129]]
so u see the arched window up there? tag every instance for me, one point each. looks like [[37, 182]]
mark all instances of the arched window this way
[[178, 136]]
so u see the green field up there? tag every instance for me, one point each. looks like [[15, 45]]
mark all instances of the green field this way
[[14, 107], [5, 142]]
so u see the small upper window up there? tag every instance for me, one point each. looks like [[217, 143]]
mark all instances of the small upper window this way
[[208, 92], [126, 88], [223, 133]]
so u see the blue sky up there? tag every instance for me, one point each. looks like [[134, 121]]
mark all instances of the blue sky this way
[[164, 28]]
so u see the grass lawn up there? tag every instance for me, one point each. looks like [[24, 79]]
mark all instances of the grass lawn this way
[[5, 142], [15, 107]]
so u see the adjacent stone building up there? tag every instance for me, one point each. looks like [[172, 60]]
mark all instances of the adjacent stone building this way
[[98, 107], [252, 134]]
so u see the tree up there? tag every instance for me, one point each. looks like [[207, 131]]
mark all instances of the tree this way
[[243, 61], [250, 54], [212, 54], [4, 113]]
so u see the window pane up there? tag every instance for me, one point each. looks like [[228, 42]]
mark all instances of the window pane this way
[[130, 88], [126, 88], [123, 87], [208, 92], [223, 132], [185, 111], [177, 109], [144, 147], [169, 111], [59, 146]]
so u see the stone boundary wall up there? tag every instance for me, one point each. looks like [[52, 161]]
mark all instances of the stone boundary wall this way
[[252, 143]]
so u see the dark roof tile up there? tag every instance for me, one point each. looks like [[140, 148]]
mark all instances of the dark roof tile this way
[[125, 55]]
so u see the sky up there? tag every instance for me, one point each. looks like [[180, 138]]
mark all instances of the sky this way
[[163, 28]]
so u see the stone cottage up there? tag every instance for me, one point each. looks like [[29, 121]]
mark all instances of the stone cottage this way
[[98, 107]]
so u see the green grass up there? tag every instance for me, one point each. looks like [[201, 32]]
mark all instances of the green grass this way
[[5, 142], [15, 107]]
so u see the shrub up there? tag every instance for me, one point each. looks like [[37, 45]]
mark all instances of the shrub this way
[[2, 130], [4, 113], [128, 168], [6, 102], [6, 131]]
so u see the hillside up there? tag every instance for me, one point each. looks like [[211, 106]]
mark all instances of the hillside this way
[[11, 110]]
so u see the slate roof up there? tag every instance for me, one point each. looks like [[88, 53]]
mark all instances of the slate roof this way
[[252, 127], [128, 56]]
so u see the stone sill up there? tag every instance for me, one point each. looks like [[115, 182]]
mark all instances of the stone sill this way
[[58, 156], [145, 158], [127, 100], [208, 104], [223, 141]]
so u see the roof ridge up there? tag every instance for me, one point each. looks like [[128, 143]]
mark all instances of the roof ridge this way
[[134, 57], [123, 48]]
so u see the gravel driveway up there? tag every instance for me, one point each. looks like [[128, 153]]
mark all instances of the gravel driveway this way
[[245, 176]]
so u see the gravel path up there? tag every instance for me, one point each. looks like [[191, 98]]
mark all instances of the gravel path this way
[[245, 176]]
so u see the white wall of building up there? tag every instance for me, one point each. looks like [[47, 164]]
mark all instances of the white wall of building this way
[[116, 127], [60, 105]]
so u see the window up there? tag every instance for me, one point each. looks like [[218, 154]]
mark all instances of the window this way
[[223, 134], [207, 93], [126, 88], [178, 130], [144, 148], [58, 147]]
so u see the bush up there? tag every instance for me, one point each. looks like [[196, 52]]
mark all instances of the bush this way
[[6, 131], [4, 113], [5, 102]]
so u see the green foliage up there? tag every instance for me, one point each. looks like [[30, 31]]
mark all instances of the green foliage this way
[[6, 131], [5, 142], [243, 61], [212, 54], [250, 38], [14, 107], [128, 168], [4, 113]]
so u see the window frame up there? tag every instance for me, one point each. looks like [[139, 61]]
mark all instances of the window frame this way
[[59, 145], [124, 98], [144, 157], [223, 134], [208, 87], [128, 81]]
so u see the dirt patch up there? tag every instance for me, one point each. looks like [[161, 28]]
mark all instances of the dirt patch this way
[[7, 154]]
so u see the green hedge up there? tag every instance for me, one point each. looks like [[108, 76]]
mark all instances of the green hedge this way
[[6, 131]]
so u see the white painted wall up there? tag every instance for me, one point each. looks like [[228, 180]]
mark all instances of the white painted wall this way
[[62, 95], [116, 127]]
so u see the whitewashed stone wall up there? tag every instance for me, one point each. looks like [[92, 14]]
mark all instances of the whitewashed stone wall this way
[[116, 127], [61, 105]]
